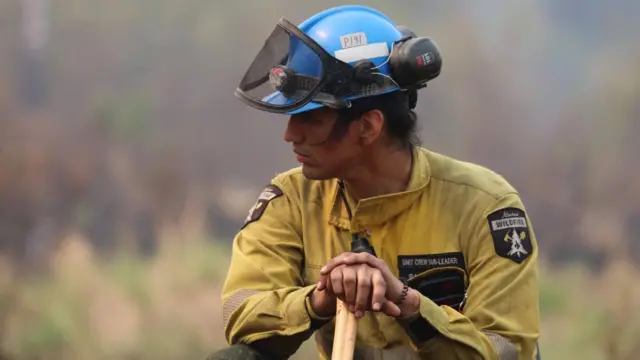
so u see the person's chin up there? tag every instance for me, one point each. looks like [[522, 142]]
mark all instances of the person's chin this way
[[314, 173]]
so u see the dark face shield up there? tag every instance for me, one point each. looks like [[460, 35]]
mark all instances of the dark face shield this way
[[292, 70]]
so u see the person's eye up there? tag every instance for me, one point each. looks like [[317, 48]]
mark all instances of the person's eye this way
[[310, 120]]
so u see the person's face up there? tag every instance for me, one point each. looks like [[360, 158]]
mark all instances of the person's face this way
[[326, 149]]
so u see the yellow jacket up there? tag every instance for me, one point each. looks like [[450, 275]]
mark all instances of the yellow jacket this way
[[459, 233]]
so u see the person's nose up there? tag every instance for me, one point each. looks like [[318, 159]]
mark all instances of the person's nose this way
[[294, 132]]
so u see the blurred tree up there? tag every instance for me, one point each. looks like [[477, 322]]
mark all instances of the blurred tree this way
[[33, 77]]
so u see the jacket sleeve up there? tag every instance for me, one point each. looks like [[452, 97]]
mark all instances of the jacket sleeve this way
[[264, 298], [500, 318]]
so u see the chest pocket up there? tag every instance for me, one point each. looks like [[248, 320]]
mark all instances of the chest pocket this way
[[443, 285]]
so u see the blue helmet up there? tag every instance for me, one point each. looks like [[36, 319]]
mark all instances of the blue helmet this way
[[338, 55]]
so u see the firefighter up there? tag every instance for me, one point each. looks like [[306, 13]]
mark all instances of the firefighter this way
[[452, 272]]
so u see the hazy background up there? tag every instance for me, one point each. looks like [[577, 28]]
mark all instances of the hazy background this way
[[126, 164]]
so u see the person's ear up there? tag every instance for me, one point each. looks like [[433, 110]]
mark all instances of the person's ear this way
[[371, 126]]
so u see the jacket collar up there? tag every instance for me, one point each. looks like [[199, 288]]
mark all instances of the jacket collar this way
[[379, 209]]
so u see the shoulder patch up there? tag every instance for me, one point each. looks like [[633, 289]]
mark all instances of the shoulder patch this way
[[269, 193], [510, 233]]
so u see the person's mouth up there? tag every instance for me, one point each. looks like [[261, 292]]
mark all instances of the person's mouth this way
[[300, 157]]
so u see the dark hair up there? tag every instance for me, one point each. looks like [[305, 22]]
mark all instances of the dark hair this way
[[397, 108]]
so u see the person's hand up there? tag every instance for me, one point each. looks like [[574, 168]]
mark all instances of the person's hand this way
[[365, 282], [323, 303], [361, 286]]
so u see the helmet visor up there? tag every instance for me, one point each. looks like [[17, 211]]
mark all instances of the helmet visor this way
[[289, 72]]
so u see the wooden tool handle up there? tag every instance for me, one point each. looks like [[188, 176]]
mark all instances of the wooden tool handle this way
[[344, 337]]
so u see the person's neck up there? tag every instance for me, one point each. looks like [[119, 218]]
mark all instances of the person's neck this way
[[385, 172]]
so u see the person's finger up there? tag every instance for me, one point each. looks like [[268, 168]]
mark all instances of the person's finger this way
[[325, 280], [322, 282], [363, 291], [330, 290], [390, 309], [379, 290], [363, 258], [349, 282], [372, 261], [333, 263], [336, 281]]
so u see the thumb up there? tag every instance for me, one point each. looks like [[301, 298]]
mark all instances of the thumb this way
[[390, 309]]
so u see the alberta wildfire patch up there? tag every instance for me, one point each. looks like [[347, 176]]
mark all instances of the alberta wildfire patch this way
[[510, 233]]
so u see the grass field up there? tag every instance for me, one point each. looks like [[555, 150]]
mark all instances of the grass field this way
[[168, 307]]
